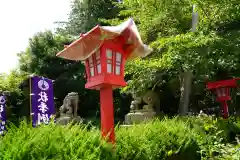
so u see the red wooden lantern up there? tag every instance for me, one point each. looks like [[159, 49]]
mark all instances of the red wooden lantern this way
[[104, 51], [105, 67], [222, 89], [223, 94]]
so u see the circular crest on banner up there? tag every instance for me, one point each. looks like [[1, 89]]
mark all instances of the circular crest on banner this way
[[2, 100], [43, 85]]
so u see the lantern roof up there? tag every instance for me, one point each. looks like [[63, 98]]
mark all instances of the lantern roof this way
[[223, 83], [90, 42]]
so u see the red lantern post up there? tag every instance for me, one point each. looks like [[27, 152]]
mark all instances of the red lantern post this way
[[105, 51], [222, 89]]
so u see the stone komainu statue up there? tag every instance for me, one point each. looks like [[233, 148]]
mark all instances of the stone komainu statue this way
[[135, 103], [68, 111], [148, 112], [150, 98]]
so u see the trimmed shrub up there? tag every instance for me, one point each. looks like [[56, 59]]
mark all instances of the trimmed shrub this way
[[164, 139], [169, 139]]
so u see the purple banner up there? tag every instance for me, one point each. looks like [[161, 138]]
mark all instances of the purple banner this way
[[2, 114], [42, 100]]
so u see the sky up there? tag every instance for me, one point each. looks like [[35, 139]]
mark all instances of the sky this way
[[20, 20]]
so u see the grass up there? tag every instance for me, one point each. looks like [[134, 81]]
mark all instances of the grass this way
[[171, 139]]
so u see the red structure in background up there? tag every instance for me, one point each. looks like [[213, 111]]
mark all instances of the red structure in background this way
[[104, 51], [222, 89]]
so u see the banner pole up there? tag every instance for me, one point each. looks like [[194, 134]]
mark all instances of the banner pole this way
[[30, 94]]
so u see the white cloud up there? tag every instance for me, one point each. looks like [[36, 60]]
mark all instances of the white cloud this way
[[20, 19]]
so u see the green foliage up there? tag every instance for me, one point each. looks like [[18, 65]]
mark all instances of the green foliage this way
[[166, 26], [157, 18], [85, 14], [76, 142], [12, 81], [72, 142], [177, 138], [164, 139], [216, 137]]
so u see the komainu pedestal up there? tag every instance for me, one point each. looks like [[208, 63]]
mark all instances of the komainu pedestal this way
[[139, 116]]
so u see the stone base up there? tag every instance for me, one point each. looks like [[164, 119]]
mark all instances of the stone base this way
[[78, 120], [126, 126], [139, 116], [66, 120]]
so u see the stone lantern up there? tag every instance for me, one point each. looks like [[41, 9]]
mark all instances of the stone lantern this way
[[104, 50]]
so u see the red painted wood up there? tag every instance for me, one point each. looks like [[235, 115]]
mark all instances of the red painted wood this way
[[225, 109], [107, 114]]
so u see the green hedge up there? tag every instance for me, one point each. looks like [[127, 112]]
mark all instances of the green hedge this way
[[171, 139]]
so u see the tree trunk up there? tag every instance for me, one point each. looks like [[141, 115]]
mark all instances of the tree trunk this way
[[185, 88]]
